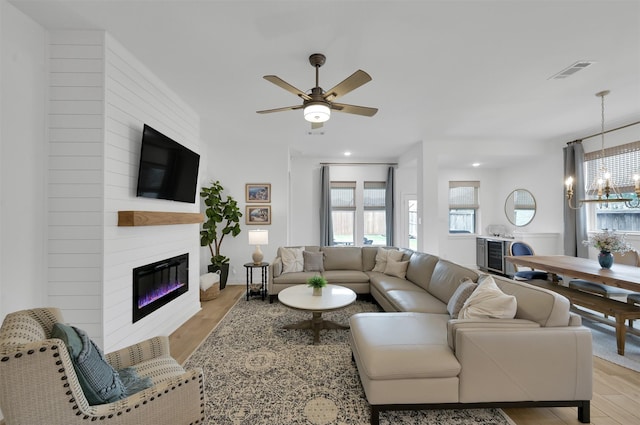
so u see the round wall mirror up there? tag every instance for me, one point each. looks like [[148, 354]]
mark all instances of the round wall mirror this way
[[520, 207]]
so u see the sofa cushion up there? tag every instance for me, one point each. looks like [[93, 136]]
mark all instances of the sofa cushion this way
[[369, 257], [292, 259], [446, 278], [488, 301], [345, 276], [342, 258], [385, 283], [396, 268], [313, 261], [294, 278], [99, 381], [459, 297], [421, 268], [310, 248], [537, 304], [383, 255], [403, 345], [416, 301]]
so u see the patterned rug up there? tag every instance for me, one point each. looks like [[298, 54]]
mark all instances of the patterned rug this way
[[258, 373]]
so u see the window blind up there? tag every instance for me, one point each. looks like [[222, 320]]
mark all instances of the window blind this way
[[374, 195], [463, 194], [343, 195], [622, 162]]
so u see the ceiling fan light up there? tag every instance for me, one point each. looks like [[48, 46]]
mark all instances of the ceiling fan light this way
[[317, 112]]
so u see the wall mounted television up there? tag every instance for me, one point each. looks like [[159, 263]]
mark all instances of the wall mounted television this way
[[167, 169]]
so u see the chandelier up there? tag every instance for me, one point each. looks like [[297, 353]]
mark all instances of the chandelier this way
[[602, 189]]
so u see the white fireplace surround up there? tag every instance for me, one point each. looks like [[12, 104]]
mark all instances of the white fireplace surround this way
[[100, 97]]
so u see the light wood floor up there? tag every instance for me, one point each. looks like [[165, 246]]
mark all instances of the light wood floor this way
[[616, 392]]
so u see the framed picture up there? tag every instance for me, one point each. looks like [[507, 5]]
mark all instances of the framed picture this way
[[258, 214], [258, 192]]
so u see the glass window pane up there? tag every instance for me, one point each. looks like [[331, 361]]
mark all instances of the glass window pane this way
[[375, 227], [343, 227], [413, 224], [462, 220], [616, 216]]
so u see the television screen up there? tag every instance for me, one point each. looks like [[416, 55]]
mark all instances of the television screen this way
[[167, 170]]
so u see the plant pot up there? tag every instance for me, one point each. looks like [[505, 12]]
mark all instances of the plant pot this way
[[605, 259], [224, 273], [317, 292]]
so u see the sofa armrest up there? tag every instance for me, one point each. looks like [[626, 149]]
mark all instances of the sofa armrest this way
[[275, 268], [454, 325], [145, 350], [525, 364], [178, 400]]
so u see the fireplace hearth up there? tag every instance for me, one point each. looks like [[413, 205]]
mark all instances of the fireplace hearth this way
[[157, 284]]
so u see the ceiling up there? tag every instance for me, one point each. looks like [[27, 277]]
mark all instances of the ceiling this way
[[443, 71]]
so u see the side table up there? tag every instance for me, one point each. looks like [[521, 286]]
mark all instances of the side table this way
[[263, 282]]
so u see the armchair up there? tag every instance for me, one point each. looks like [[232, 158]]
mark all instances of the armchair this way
[[38, 383]]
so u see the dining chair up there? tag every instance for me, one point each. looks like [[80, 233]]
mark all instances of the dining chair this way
[[525, 273]]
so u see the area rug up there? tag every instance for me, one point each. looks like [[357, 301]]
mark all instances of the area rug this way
[[604, 344], [258, 373]]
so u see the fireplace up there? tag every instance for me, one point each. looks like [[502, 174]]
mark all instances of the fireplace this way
[[159, 283]]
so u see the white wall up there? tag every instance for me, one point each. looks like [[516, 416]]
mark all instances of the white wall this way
[[23, 154], [66, 174], [235, 161]]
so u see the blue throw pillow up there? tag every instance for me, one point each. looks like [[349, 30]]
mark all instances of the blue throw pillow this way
[[132, 382], [98, 379]]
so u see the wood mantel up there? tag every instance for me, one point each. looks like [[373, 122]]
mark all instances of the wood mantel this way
[[157, 218]]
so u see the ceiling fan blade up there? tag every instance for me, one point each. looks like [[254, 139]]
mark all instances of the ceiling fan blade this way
[[286, 108], [288, 87], [350, 83], [316, 125], [353, 109]]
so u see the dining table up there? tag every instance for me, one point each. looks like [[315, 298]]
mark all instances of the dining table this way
[[619, 275]]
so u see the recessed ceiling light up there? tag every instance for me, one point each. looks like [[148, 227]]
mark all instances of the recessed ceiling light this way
[[475, 164], [347, 153]]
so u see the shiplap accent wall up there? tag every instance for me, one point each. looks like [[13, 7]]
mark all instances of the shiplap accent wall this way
[[101, 96]]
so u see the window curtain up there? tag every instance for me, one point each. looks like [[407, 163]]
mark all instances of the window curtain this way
[[326, 226], [389, 205], [575, 220]]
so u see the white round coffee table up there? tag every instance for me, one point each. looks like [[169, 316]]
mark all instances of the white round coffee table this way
[[300, 297]]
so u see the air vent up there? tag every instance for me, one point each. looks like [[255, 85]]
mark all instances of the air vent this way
[[569, 71]]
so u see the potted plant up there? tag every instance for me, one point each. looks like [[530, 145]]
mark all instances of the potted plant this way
[[222, 219], [607, 242], [317, 282]]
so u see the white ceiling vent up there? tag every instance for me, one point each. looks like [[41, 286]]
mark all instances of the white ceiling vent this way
[[572, 69]]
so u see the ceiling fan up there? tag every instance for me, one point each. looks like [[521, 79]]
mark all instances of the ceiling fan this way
[[317, 105]]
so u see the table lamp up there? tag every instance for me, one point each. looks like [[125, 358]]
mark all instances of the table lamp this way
[[257, 238]]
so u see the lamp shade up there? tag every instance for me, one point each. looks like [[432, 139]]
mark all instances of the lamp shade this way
[[317, 112], [258, 237]]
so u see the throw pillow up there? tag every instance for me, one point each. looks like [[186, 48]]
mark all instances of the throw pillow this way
[[132, 382], [396, 268], [98, 380], [313, 261], [457, 300], [292, 259], [488, 301], [383, 255]]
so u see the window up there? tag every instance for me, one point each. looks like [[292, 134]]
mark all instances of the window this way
[[343, 211], [463, 206], [375, 224], [624, 162], [358, 212], [412, 222]]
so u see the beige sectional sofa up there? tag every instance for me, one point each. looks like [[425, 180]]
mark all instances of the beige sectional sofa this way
[[415, 355]]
